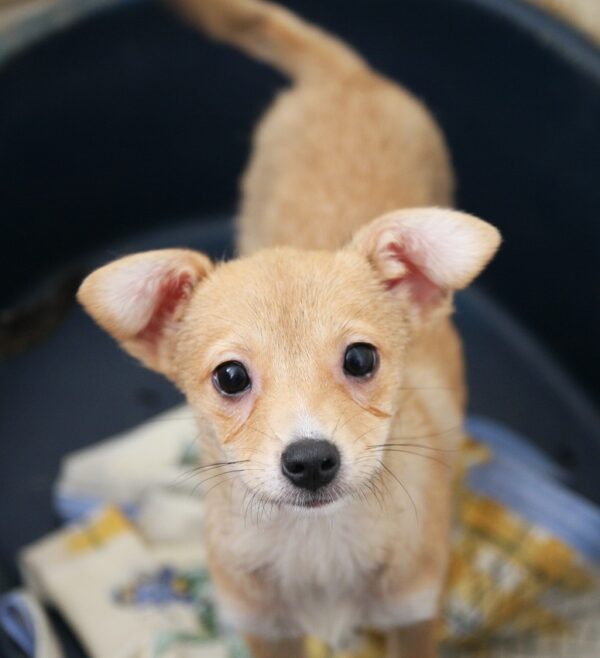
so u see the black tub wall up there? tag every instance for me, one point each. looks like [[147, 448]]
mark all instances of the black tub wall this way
[[130, 118]]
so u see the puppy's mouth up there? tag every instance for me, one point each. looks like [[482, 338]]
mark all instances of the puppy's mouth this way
[[316, 500]]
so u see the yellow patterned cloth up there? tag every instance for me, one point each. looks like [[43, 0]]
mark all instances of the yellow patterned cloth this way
[[515, 589]]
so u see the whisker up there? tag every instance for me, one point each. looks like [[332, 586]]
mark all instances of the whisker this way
[[212, 477], [388, 470], [360, 436], [383, 481], [204, 467], [214, 486], [246, 492], [372, 486], [266, 502], [420, 445], [261, 499], [250, 505], [192, 472], [416, 454], [421, 436]]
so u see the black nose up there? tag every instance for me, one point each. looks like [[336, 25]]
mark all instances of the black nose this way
[[310, 463]]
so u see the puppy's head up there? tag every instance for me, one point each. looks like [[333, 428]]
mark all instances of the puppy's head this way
[[294, 358]]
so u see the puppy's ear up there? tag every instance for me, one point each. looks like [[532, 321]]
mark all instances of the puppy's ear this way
[[139, 300], [426, 253]]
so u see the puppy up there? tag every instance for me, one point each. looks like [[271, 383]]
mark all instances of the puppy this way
[[322, 365]]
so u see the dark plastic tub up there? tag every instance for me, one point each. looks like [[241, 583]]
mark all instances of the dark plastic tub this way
[[116, 128], [130, 117]]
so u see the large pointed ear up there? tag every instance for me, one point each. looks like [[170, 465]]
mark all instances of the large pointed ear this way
[[427, 253], [139, 299]]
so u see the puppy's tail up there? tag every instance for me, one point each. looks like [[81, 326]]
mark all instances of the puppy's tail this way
[[274, 35]]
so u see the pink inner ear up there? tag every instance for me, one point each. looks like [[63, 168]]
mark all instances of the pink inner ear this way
[[173, 289], [423, 291]]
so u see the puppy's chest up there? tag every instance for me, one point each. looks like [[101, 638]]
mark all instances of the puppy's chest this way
[[322, 571], [324, 554]]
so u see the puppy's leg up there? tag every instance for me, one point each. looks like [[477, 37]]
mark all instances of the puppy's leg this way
[[289, 648], [416, 641]]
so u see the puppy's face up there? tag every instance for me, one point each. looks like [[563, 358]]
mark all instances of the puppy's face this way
[[294, 358]]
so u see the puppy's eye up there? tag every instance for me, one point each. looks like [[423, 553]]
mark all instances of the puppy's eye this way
[[231, 378], [360, 360]]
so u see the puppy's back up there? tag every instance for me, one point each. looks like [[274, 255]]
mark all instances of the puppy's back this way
[[339, 148]]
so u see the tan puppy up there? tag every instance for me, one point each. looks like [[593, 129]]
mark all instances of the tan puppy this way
[[325, 374]]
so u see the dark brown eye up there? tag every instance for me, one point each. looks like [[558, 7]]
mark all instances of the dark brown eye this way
[[231, 378], [360, 360]]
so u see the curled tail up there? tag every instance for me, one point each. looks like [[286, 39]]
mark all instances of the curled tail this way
[[274, 35]]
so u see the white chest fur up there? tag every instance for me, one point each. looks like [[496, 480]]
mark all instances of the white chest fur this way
[[322, 566]]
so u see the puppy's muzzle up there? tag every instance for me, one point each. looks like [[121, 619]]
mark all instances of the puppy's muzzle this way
[[310, 463]]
